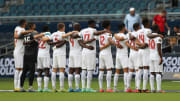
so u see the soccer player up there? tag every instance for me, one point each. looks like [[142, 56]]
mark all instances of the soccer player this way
[[105, 57], [59, 55], [156, 60], [75, 59], [133, 61], [121, 56], [30, 57], [43, 60], [19, 52], [89, 55]]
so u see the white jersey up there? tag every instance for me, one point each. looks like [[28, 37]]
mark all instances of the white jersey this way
[[103, 40], [75, 47], [133, 43], [142, 36], [44, 47], [88, 34], [124, 50], [154, 55], [19, 47], [57, 36]]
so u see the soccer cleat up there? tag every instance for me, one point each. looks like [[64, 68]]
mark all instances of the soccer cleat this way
[[17, 90], [31, 90], [109, 90], [83, 90], [54, 90], [90, 90], [161, 91], [46, 90], [101, 90], [71, 90], [77, 90], [39, 90], [129, 91], [153, 91], [137, 91], [22, 90], [145, 91]]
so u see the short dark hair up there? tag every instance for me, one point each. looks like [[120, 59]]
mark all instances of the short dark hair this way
[[76, 26], [45, 28], [163, 11], [22, 22], [145, 21], [30, 24], [106, 23], [90, 22], [121, 26], [135, 26], [155, 28], [60, 26]]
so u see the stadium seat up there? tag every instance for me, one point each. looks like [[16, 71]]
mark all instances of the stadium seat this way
[[2, 2]]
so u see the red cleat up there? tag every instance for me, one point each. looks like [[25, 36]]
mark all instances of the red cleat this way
[[161, 92], [109, 90], [101, 90], [137, 91], [129, 91], [145, 91]]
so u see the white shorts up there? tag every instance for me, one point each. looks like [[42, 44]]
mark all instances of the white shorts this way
[[59, 61], [105, 61], [43, 62], [18, 60], [155, 67], [75, 61], [89, 61], [133, 61], [121, 61], [143, 59]]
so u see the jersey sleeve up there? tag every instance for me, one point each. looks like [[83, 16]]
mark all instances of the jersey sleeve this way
[[159, 40], [18, 31], [51, 36]]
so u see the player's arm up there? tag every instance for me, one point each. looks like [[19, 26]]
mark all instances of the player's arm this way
[[60, 43], [82, 44], [154, 36], [114, 43], [89, 41], [38, 35], [101, 32], [28, 42], [45, 38], [134, 48], [141, 45], [119, 38], [68, 34], [105, 46], [160, 53], [74, 36]]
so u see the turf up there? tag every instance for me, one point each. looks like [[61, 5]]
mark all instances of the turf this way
[[7, 84]]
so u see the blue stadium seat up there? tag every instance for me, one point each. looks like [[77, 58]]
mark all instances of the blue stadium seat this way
[[2, 2], [44, 7]]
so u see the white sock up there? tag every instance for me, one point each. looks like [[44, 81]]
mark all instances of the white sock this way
[[19, 79], [125, 80], [116, 76], [53, 78], [129, 80], [39, 81], [108, 78], [16, 79], [101, 73], [136, 79], [158, 81], [140, 71], [70, 79], [152, 82], [83, 79], [77, 80], [46, 81], [145, 78], [89, 78], [61, 79]]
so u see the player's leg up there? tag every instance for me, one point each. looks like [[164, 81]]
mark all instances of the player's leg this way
[[124, 61], [70, 78], [71, 71], [54, 71], [31, 76], [77, 79], [46, 79], [159, 70], [91, 63], [116, 75], [62, 66], [109, 66], [140, 71], [39, 79], [101, 73], [152, 75], [23, 77], [84, 71]]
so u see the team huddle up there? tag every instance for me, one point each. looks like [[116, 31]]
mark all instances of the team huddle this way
[[145, 56]]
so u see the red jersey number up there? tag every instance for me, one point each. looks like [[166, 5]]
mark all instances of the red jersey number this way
[[102, 40], [72, 42], [151, 44], [141, 37], [41, 44], [86, 36]]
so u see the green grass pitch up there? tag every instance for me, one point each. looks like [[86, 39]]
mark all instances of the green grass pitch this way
[[7, 84]]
